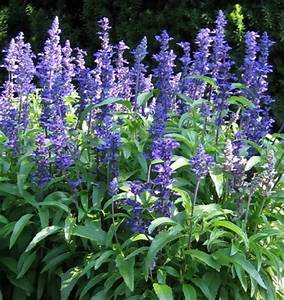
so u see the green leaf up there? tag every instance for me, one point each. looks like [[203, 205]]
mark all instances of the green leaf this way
[[18, 228], [143, 162], [57, 196], [108, 101], [43, 213], [185, 98], [143, 98], [160, 241], [206, 79], [234, 228], [179, 163], [240, 86], [163, 291], [126, 270], [249, 268], [9, 263], [68, 227], [252, 162], [55, 204], [98, 196], [240, 100], [111, 281], [68, 281], [183, 118], [47, 231], [102, 295], [3, 220], [254, 145], [218, 180], [4, 164], [113, 100], [24, 171], [241, 275], [84, 197], [103, 258], [52, 263], [10, 189], [209, 284], [91, 283], [25, 263], [182, 139], [91, 231], [160, 221], [136, 252], [189, 292], [205, 258]]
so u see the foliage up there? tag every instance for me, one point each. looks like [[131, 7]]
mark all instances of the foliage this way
[[119, 185]]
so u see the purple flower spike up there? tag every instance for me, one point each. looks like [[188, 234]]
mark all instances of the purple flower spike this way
[[19, 64], [164, 72], [123, 78], [201, 64], [104, 71], [41, 155], [256, 122], [163, 149], [201, 163], [221, 65], [140, 83], [85, 80]]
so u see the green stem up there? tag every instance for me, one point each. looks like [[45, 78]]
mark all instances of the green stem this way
[[149, 173], [113, 222], [279, 161], [247, 211], [192, 211], [259, 213]]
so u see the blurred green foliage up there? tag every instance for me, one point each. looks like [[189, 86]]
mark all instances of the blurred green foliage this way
[[131, 20]]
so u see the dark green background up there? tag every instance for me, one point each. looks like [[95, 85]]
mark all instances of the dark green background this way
[[131, 20]]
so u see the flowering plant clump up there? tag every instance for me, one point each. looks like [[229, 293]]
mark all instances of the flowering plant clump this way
[[121, 181]]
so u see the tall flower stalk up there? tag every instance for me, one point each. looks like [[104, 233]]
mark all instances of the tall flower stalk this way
[[200, 164]]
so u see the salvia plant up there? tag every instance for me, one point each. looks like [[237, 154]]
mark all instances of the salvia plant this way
[[121, 181]]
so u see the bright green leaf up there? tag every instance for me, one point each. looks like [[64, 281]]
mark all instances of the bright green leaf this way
[[205, 258], [42, 235], [189, 292], [143, 98], [18, 228], [26, 264], [179, 163], [252, 162], [126, 270], [218, 180], [234, 228], [160, 221], [160, 241], [163, 291]]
